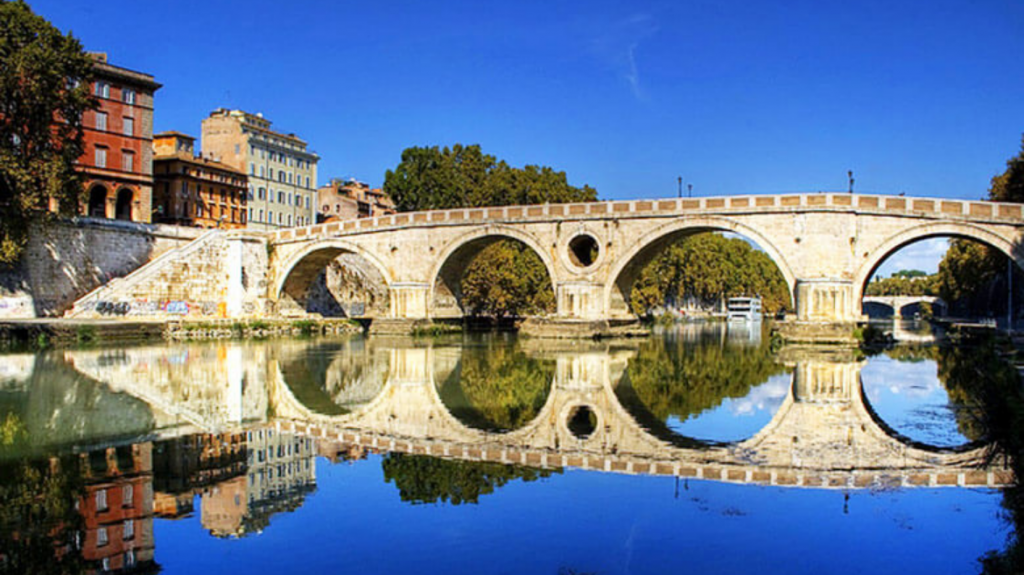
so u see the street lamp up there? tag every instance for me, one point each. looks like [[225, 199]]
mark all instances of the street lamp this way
[[689, 190], [680, 179]]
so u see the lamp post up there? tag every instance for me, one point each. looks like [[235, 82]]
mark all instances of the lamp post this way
[[680, 179], [689, 190]]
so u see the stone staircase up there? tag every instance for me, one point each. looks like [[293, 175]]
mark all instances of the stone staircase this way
[[115, 297]]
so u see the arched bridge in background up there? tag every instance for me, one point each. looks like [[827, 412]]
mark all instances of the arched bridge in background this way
[[897, 303], [825, 245]]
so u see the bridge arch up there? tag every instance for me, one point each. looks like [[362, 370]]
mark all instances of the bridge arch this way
[[632, 260], [878, 255], [296, 274], [459, 252]]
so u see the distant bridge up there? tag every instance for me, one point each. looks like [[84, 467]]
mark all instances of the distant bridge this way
[[897, 302]]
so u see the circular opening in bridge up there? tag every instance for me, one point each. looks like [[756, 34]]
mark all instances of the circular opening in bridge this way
[[583, 250], [582, 422]]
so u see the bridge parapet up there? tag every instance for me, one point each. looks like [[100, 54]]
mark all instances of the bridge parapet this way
[[977, 211]]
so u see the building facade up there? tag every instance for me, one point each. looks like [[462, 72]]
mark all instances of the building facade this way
[[280, 168], [193, 191], [117, 163], [117, 509], [346, 200]]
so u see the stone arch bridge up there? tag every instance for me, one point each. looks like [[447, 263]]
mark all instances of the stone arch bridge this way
[[896, 303], [825, 245]]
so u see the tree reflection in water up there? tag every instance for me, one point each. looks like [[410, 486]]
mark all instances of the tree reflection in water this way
[[426, 479], [497, 386], [684, 377]]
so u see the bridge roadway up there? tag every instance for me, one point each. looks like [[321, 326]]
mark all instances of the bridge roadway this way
[[826, 246], [824, 434]]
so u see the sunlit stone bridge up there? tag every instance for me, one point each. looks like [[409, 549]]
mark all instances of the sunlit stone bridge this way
[[897, 303], [825, 245]]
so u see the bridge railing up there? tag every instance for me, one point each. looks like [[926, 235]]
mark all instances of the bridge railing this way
[[900, 205]]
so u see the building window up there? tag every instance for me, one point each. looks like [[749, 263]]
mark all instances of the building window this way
[[280, 197], [263, 193], [101, 121], [100, 158], [129, 558], [101, 89], [128, 127], [250, 213], [129, 529], [289, 220], [127, 161], [307, 202], [307, 182], [128, 96], [128, 495], [252, 169], [101, 537], [280, 219], [261, 171], [260, 219]]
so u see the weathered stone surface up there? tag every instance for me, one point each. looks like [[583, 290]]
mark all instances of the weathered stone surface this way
[[65, 261]]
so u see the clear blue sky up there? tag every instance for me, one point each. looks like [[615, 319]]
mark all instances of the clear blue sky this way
[[925, 98]]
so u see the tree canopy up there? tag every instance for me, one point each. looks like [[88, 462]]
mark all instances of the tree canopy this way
[[707, 268], [44, 91], [464, 176]]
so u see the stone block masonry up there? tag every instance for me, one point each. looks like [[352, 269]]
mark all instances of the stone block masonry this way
[[64, 261], [218, 275]]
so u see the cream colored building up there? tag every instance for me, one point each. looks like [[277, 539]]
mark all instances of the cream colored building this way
[[281, 170]]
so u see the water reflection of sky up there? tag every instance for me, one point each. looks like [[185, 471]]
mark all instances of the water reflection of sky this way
[[909, 397], [737, 419], [588, 522]]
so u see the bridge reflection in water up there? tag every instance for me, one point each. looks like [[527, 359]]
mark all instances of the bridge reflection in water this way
[[390, 395]]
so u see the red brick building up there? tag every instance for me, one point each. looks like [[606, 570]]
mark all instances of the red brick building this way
[[117, 164]]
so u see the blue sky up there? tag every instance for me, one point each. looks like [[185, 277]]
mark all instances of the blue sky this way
[[735, 97]]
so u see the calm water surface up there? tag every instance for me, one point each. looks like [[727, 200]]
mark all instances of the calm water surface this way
[[697, 450]]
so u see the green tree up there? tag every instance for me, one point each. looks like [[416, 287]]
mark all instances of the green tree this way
[[425, 479], [464, 176], [971, 273], [44, 91], [1009, 185], [708, 268], [506, 279]]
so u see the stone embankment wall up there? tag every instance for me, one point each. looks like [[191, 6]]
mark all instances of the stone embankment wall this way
[[219, 274], [64, 261]]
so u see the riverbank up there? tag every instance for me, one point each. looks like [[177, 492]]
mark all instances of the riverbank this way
[[60, 332]]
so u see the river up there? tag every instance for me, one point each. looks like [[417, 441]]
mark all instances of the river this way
[[699, 449]]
